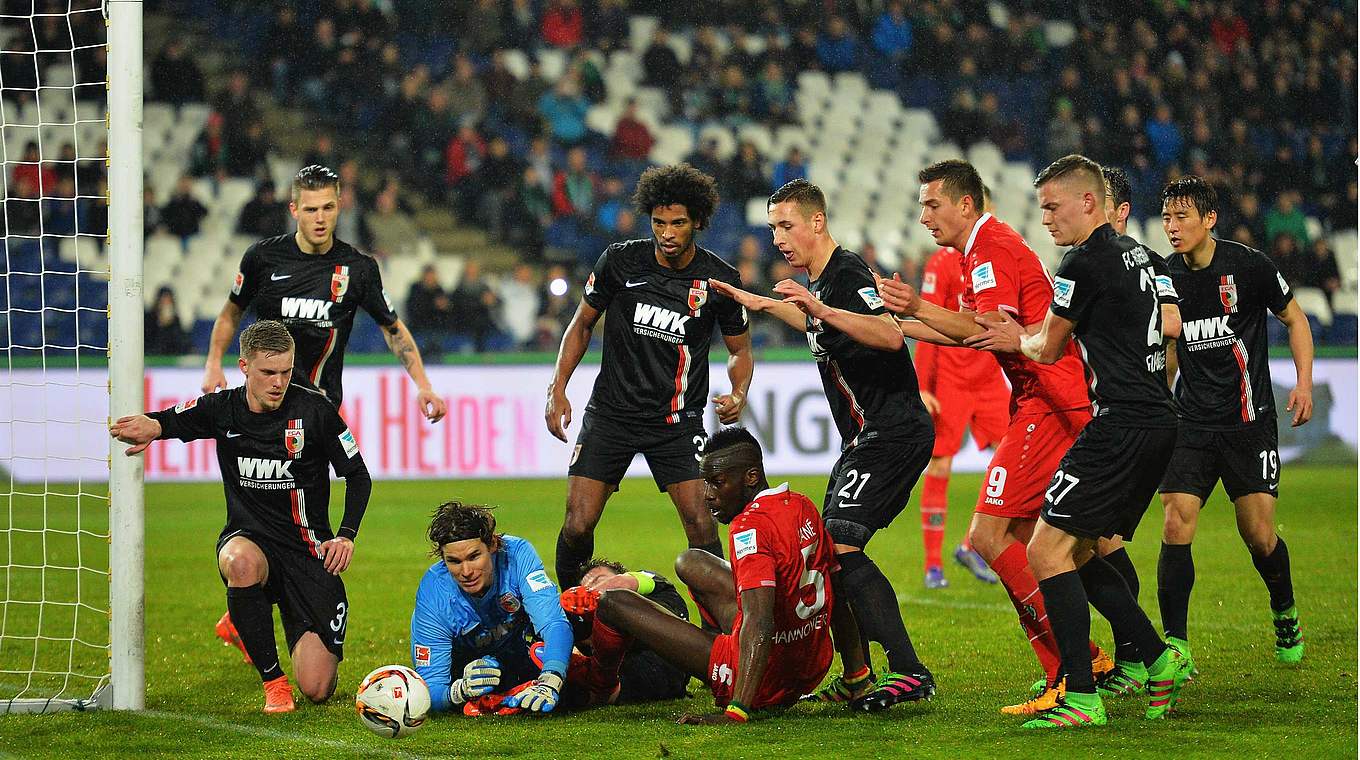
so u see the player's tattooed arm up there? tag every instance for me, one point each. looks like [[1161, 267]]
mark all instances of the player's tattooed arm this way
[[755, 640], [740, 367], [1172, 364], [1301, 347], [403, 346], [575, 341], [224, 328]]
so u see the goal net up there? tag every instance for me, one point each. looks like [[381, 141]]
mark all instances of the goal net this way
[[63, 626]]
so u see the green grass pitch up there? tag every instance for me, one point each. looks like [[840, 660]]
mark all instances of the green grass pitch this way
[[203, 702]]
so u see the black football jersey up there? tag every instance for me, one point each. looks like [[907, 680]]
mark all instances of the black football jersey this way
[[274, 464], [654, 367], [872, 393], [316, 297], [1222, 351], [1108, 285]]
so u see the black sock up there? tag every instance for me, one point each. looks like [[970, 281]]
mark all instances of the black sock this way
[[571, 559], [253, 616], [1108, 593], [714, 547], [1065, 600], [1175, 579], [1120, 561], [875, 606], [1274, 570]]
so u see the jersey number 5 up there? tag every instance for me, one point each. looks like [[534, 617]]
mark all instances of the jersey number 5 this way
[[813, 578]]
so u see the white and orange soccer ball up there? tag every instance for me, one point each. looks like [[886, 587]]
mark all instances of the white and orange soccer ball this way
[[392, 701]]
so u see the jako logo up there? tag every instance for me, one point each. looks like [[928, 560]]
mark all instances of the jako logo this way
[[648, 316], [253, 468], [306, 308], [1206, 329]]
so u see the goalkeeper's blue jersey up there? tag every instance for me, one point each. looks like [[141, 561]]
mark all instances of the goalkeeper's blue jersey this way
[[449, 628]]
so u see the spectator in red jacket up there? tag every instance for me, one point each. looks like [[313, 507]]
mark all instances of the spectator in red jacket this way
[[562, 24], [632, 140]]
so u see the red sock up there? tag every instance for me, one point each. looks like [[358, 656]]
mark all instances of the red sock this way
[[934, 507], [608, 646], [1012, 567]]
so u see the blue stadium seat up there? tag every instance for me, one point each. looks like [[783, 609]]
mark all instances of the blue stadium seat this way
[[1343, 332]]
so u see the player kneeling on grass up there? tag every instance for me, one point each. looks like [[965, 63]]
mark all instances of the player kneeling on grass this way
[[480, 610], [773, 601], [277, 546]]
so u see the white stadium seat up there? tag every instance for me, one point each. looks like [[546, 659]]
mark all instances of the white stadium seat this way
[[1313, 302]]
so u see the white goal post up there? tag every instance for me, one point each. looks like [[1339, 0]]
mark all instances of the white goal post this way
[[71, 295]]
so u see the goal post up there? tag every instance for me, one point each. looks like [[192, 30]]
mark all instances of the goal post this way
[[127, 606], [72, 537]]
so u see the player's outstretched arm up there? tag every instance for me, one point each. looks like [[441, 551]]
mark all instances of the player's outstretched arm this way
[[575, 341], [136, 429], [403, 345], [1301, 347], [755, 640], [878, 331], [786, 312], [741, 365], [902, 300], [224, 329]]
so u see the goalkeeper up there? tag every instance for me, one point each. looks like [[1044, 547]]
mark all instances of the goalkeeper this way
[[479, 610]]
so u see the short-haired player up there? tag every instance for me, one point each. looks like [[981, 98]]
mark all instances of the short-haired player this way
[[276, 444], [1226, 404]]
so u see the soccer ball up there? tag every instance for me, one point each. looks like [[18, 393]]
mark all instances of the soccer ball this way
[[392, 701]]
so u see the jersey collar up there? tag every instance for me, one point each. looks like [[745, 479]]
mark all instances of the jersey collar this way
[[781, 488], [968, 247]]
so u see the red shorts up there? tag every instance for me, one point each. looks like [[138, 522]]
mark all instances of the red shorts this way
[[985, 412], [1024, 463], [790, 674]]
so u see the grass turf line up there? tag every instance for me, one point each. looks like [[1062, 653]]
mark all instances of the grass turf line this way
[[204, 703]]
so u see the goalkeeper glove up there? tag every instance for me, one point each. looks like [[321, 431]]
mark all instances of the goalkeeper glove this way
[[479, 677], [541, 697]]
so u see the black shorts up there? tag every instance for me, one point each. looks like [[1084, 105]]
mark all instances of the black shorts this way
[[308, 596], [606, 446], [645, 677], [870, 485], [1247, 460], [1105, 482]]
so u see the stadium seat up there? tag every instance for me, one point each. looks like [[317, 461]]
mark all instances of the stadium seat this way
[[758, 135], [1313, 226], [727, 143], [814, 81], [1313, 302], [1344, 303], [1344, 244], [756, 212], [640, 30]]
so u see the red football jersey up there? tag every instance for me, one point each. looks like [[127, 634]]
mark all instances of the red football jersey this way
[[946, 369], [1004, 274], [780, 542]]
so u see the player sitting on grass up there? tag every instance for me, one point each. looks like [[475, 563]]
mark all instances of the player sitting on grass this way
[[773, 601], [477, 611], [277, 546], [644, 675]]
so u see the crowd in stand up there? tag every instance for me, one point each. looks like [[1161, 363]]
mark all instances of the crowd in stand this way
[[1259, 97]]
